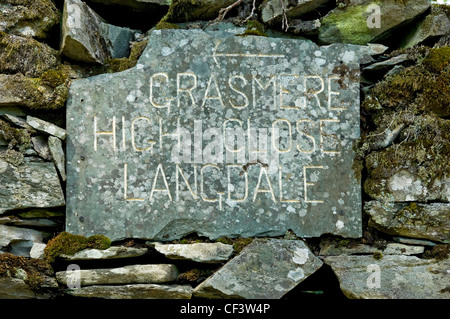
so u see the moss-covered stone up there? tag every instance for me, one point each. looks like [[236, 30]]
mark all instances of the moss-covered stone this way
[[34, 93], [68, 244], [122, 64], [17, 137], [439, 252], [254, 27], [194, 276], [190, 10], [166, 25], [34, 18], [35, 269], [25, 55]]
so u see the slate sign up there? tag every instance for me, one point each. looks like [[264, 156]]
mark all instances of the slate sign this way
[[220, 135]]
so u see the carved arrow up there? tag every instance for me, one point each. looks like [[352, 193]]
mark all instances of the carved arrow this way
[[245, 55]]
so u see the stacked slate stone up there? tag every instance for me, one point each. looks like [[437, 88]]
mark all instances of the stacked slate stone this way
[[402, 153]]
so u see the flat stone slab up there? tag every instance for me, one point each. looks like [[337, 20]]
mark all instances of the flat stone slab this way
[[199, 252], [392, 277], [46, 127], [110, 253], [137, 291], [134, 274], [359, 249], [265, 269], [29, 185], [220, 135]]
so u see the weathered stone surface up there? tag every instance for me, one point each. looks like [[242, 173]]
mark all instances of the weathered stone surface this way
[[265, 269], [14, 288], [125, 179], [134, 274], [413, 241], [25, 55], [11, 234], [359, 249], [40, 145], [35, 222], [199, 252], [29, 185], [434, 25], [427, 221], [34, 93], [19, 122], [158, 273], [59, 158], [11, 110], [272, 10], [180, 11], [28, 18], [46, 127], [392, 277], [137, 291], [349, 23], [37, 251], [388, 63], [110, 253], [88, 38]]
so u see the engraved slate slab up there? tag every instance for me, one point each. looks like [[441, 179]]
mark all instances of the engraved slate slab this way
[[220, 135]]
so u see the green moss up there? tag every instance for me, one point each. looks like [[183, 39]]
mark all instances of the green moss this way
[[439, 252], [181, 10], [18, 138], [225, 240], [194, 276], [351, 24], [166, 25], [122, 64], [241, 243], [254, 27], [69, 244], [35, 269], [54, 78], [377, 255], [437, 59]]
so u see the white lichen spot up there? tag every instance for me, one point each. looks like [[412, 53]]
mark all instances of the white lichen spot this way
[[339, 224], [296, 274], [300, 256]]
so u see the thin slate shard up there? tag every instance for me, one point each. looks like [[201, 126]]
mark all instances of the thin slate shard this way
[[218, 135]]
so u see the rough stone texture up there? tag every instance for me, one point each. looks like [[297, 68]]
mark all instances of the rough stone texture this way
[[11, 110], [434, 25], [10, 235], [272, 10], [388, 63], [199, 252], [426, 221], [265, 269], [46, 127], [29, 185], [110, 253], [348, 23], [35, 222], [37, 251], [400, 277], [34, 93], [149, 204], [137, 291], [19, 122], [359, 249], [40, 145], [59, 158], [88, 38], [134, 274], [28, 18], [25, 55], [183, 11], [14, 288]]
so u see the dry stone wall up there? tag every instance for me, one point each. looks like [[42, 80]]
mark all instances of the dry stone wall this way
[[400, 157]]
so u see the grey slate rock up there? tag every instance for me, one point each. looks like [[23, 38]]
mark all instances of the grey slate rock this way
[[26, 237], [205, 54], [265, 269], [272, 10], [136, 291], [416, 220], [46, 127], [360, 249], [388, 63], [40, 145], [29, 185], [37, 251], [199, 252], [88, 38], [134, 274], [392, 277], [112, 252], [59, 158]]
